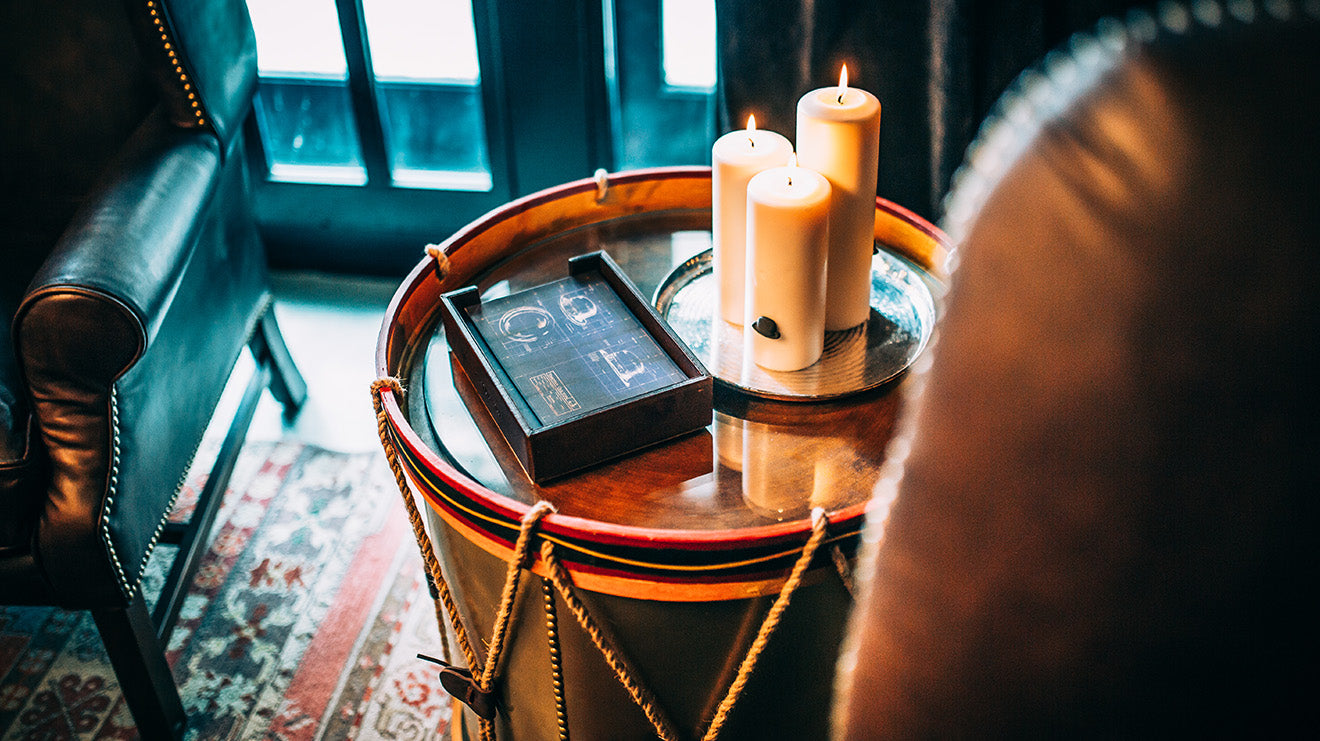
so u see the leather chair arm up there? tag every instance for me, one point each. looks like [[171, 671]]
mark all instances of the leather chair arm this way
[[130, 243], [90, 313]]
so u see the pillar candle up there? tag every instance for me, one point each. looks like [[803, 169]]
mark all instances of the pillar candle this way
[[838, 135], [787, 245], [735, 158]]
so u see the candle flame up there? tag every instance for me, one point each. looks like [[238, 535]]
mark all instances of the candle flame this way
[[751, 122], [843, 82]]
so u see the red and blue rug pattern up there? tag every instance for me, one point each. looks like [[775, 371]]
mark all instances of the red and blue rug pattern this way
[[303, 622]]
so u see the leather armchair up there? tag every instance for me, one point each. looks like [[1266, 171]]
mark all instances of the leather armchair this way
[[131, 278], [1106, 515]]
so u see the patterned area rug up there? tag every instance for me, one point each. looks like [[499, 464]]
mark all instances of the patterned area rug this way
[[304, 620]]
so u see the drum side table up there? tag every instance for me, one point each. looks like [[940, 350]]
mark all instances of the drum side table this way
[[678, 552]]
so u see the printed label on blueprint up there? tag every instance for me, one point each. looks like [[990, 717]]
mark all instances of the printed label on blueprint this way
[[555, 394]]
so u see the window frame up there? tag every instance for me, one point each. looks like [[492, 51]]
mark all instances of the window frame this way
[[547, 122]]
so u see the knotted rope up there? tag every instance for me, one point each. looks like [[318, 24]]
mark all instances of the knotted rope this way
[[617, 662], [819, 523], [435, 579]]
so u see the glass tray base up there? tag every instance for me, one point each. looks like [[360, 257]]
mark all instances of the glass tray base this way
[[854, 360]]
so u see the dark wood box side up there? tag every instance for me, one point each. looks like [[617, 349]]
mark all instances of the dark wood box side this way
[[622, 429], [490, 382]]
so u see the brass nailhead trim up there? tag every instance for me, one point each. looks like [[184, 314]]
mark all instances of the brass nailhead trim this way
[[112, 492], [174, 59]]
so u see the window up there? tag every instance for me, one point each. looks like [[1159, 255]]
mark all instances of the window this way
[[381, 125], [687, 40], [661, 62]]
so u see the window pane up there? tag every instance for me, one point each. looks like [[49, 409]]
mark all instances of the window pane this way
[[308, 131], [688, 43], [661, 59], [432, 40], [298, 38], [303, 106], [428, 84]]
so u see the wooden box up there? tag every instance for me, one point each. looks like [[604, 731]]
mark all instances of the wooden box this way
[[579, 370]]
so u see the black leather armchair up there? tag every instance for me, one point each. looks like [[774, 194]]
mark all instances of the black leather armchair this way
[[131, 278], [1107, 514]]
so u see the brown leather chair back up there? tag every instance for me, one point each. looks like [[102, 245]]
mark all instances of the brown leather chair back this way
[[1107, 506]]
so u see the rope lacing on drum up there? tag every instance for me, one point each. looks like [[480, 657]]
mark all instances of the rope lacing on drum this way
[[617, 662], [844, 568], [819, 523], [626, 674], [435, 580], [481, 689]]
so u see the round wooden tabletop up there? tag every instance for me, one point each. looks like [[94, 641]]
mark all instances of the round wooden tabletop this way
[[758, 463]]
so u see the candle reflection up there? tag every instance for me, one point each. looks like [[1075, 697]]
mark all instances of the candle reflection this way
[[783, 468]]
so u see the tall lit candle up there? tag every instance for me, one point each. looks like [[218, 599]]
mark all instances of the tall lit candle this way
[[788, 230], [838, 135], [735, 158]]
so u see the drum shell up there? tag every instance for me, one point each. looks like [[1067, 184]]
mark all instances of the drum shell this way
[[686, 653]]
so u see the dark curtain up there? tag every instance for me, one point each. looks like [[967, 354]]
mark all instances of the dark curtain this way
[[937, 67]]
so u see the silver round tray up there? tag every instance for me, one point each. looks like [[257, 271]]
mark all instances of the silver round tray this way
[[855, 360]]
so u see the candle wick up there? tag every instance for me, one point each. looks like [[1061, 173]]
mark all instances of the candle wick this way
[[790, 180], [752, 142], [840, 98]]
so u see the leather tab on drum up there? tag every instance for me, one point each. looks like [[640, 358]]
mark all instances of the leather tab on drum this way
[[459, 683]]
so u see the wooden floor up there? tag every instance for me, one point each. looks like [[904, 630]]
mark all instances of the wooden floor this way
[[330, 323]]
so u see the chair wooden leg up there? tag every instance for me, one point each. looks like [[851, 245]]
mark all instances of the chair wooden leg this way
[[138, 659], [286, 383]]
